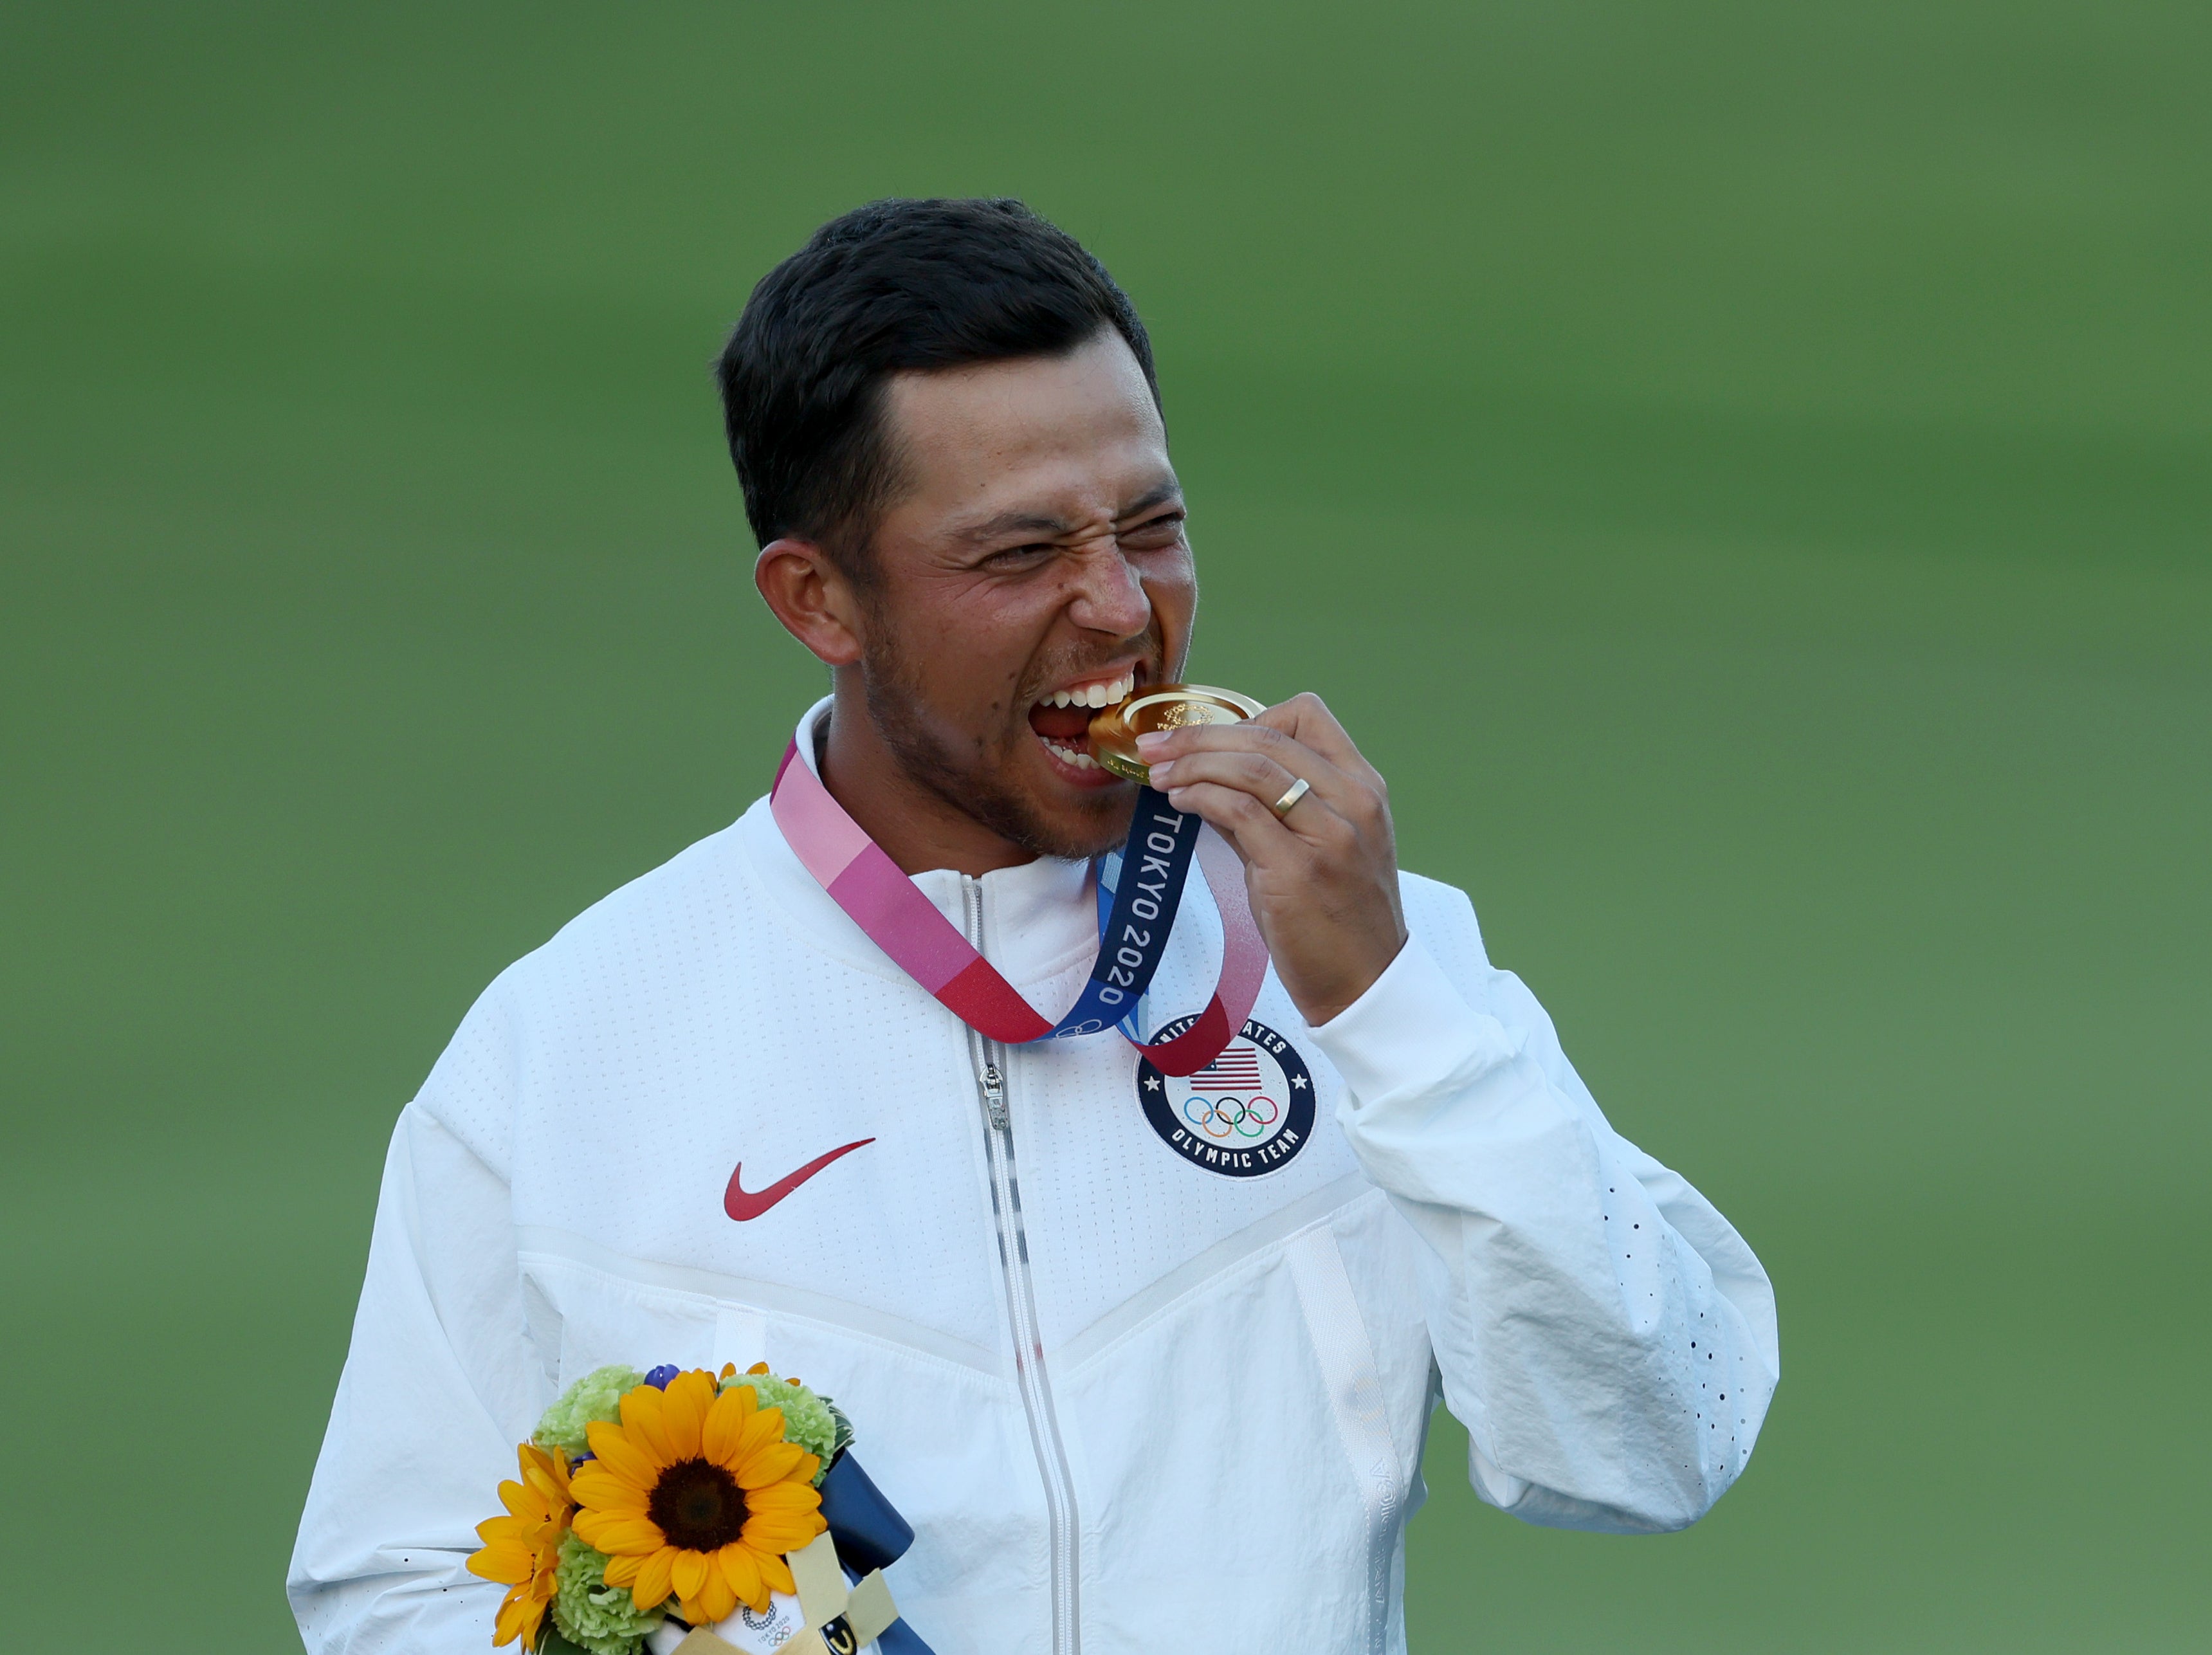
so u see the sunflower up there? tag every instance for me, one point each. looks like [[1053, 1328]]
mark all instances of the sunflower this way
[[522, 1550], [698, 1493]]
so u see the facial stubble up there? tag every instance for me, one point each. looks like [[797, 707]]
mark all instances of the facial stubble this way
[[967, 780]]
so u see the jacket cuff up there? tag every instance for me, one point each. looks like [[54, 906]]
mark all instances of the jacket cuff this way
[[1409, 1032]]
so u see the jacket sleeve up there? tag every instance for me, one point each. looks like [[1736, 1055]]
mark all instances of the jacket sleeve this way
[[440, 1382], [1605, 1335]]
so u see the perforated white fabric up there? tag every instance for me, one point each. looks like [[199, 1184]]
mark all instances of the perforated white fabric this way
[[555, 1200]]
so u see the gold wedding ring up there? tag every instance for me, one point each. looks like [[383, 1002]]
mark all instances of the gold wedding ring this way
[[1297, 790], [1114, 733]]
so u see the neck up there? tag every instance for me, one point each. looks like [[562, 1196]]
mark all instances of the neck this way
[[915, 828]]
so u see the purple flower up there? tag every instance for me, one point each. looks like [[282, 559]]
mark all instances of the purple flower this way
[[659, 1377]]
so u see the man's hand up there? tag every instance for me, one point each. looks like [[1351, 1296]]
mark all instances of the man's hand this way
[[1324, 876]]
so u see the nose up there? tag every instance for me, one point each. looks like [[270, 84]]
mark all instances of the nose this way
[[1108, 596]]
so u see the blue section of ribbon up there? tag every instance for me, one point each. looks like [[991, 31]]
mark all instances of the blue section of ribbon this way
[[1145, 894], [867, 1528], [870, 1535], [1109, 882]]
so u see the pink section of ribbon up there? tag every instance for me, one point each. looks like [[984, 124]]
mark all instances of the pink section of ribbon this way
[[906, 925], [902, 923], [817, 830]]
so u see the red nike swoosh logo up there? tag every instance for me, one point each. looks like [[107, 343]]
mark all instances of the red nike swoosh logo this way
[[743, 1204]]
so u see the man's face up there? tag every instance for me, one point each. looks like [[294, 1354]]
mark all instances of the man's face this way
[[1035, 556]]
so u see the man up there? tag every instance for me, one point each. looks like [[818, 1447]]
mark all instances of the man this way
[[1146, 1359]]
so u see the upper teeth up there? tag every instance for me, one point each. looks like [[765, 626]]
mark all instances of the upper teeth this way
[[1093, 695]]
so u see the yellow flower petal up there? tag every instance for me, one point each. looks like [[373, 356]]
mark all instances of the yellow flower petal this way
[[506, 1562], [608, 1493], [776, 1573], [771, 1464], [620, 1535], [687, 1574], [776, 1536], [623, 1458], [641, 1409], [784, 1497], [771, 1420], [716, 1600], [683, 1408], [651, 1587], [725, 1424], [783, 1518], [547, 1480], [602, 1485], [519, 1616], [742, 1570], [761, 1428], [622, 1570]]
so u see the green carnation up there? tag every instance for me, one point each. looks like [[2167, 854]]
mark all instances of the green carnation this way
[[811, 1421], [591, 1613], [597, 1396]]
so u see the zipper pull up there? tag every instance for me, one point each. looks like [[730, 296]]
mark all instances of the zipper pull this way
[[995, 1096]]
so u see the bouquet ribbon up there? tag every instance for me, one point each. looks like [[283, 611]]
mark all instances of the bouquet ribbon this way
[[864, 881]]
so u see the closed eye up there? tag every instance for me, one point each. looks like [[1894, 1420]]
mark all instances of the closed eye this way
[[1155, 533]]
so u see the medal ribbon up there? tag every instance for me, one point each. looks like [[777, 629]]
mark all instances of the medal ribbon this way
[[1155, 863]]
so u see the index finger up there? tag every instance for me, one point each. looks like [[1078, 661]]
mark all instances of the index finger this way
[[1306, 719], [1255, 737]]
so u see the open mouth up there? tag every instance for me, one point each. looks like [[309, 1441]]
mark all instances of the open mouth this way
[[1062, 719]]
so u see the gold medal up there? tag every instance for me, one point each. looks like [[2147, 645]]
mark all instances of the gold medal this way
[[1114, 733]]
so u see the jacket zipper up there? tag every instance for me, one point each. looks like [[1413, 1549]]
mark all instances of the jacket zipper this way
[[989, 1059]]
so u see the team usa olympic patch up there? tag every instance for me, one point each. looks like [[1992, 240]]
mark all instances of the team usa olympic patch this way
[[1247, 1113]]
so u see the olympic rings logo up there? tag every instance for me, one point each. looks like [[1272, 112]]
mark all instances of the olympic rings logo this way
[[1227, 1117]]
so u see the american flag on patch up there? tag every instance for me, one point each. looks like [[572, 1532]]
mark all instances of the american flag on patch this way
[[1237, 1069]]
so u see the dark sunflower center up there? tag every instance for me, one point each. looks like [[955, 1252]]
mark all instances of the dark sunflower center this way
[[698, 1505]]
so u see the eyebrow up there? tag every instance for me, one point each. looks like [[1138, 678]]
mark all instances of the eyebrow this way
[[1021, 522]]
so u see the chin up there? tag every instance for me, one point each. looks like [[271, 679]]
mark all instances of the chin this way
[[1057, 811], [1077, 830]]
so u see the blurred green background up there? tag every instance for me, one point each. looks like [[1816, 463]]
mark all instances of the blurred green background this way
[[1744, 471]]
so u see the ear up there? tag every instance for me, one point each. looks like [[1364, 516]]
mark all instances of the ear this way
[[812, 598]]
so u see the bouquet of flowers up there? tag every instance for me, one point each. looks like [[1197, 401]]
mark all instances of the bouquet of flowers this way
[[676, 1510]]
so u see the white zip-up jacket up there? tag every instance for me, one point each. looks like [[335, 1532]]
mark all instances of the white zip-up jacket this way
[[1147, 1364]]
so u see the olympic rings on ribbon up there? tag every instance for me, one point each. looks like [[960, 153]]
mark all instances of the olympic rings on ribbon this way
[[1223, 1115]]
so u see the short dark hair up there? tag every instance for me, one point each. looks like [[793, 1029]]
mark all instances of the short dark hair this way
[[891, 287]]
